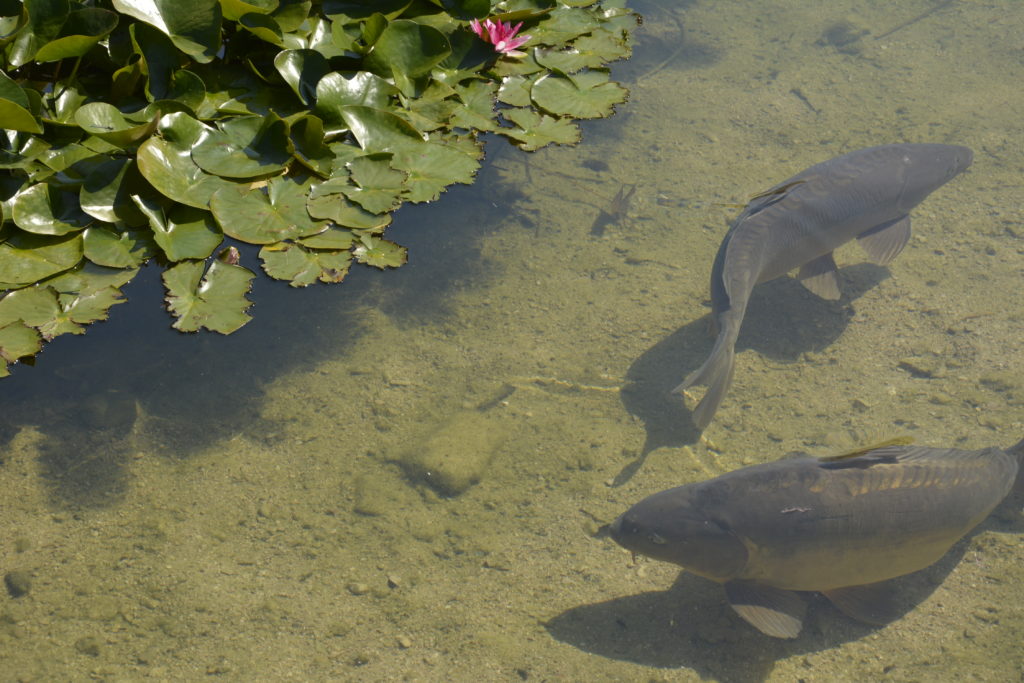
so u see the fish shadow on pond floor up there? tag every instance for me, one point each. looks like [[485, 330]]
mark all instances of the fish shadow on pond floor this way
[[691, 626], [784, 320]]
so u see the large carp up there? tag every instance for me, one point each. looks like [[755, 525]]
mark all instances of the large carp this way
[[867, 195], [837, 525]]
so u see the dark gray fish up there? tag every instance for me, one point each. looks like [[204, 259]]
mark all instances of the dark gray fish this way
[[867, 195], [841, 526]]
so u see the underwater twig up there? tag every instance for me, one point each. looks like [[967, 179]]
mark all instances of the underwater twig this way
[[916, 19]]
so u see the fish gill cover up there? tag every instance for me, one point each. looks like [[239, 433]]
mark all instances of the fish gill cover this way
[[141, 129]]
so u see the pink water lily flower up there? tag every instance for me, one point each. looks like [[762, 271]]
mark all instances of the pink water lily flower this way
[[502, 35]]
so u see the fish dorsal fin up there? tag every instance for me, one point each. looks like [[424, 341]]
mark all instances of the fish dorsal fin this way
[[895, 441], [772, 611], [873, 603], [762, 201]]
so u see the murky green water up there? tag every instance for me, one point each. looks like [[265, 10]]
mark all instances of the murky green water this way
[[264, 507]]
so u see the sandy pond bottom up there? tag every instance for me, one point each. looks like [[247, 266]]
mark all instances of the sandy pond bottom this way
[[311, 538]]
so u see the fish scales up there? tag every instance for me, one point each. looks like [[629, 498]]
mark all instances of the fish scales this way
[[840, 526]]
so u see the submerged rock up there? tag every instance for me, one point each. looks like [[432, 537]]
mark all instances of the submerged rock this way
[[457, 455]]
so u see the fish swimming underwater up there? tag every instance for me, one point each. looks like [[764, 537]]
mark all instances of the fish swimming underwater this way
[[838, 525], [867, 195]]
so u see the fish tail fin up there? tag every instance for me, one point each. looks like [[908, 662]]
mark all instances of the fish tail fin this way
[[716, 374]]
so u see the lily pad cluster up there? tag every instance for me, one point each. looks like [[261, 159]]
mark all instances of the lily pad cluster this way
[[175, 129]]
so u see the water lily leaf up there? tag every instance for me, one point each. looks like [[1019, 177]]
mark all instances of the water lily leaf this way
[[267, 214], [380, 253], [106, 192], [363, 9], [586, 95], [292, 14], [307, 135], [63, 157], [331, 204], [26, 258], [244, 147], [45, 19], [193, 25], [62, 108], [433, 166], [477, 111], [166, 162], [515, 91], [116, 249], [379, 131], [302, 71], [263, 27], [14, 107], [562, 61], [184, 232], [602, 46], [331, 238], [160, 58], [234, 9], [336, 91], [216, 301], [378, 185], [302, 266], [13, 18], [107, 123], [405, 51], [83, 29], [38, 307], [563, 26], [186, 88], [17, 340], [467, 9], [537, 130], [43, 209]]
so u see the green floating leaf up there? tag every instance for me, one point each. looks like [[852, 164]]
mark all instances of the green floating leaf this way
[[45, 20], [433, 166], [302, 266], [264, 28], [106, 192], [307, 135], [54, 313], [184, 232], [193, 25], [563, 26], [331, 238], [168, 166], [26, 258], [302, 70], [586, 95], [379, 131], [15, 111], [336, 91], [379, 185], [116, 249], [265, 215], [43, 209], [244, 147], [17, 340], [380, 253], [537, 130], [235, 9], [107, 123], [216, 301], [83, 29], [477, 110], [364, 9], [405, 51], [515, 90], [327, 201]]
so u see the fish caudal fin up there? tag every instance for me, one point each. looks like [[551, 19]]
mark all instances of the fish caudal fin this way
[[716, 374], [772, 611]]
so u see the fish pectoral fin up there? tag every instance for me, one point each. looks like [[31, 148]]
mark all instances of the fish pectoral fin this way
[[772, 611], [884, 242], [871, 603], [820, 277]]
